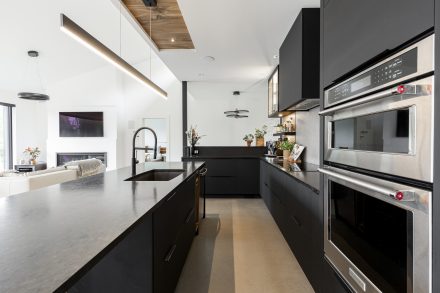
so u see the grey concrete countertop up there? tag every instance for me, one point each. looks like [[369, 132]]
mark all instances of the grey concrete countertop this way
[[48, 235], [305, 173]]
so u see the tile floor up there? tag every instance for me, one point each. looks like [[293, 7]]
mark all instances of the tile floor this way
[[241, 250]]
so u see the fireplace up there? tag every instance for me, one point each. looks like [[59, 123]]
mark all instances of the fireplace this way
[[63, 158]]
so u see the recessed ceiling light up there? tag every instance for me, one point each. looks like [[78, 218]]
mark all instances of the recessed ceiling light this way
[[275, 56], [209, 59], [173, 40]]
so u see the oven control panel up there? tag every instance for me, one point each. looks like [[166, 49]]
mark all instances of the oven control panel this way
[[396, 68]]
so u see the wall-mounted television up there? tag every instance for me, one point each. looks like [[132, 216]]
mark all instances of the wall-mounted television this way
[[81, 124]]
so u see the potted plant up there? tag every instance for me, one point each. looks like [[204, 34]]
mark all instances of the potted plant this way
[[193, 138], [33, 154], [287, 147], [248, 138], [259, 135], [279, 128]]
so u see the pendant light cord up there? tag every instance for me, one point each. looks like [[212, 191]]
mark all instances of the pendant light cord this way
[[151, 39], [120, 29]]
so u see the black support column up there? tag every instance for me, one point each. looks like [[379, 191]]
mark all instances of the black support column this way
[[436, 136], [184, 114]]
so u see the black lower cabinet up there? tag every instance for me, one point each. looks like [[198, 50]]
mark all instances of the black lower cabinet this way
[[297, 210], [231, 176], [174, 228], [151, 256]]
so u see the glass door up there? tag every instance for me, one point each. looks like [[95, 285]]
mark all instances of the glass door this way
[[273, 93], [6, 151], [375, 235]]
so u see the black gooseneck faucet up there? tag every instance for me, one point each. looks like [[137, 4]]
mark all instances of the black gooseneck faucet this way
[[134, 161]]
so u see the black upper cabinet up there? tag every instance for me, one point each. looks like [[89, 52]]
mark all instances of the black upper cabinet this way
[[355, 32], [299, 60]]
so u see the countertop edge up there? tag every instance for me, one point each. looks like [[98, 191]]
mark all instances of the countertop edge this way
[[313, 188]]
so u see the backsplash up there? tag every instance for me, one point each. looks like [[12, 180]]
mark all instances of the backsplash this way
[[307, 134]]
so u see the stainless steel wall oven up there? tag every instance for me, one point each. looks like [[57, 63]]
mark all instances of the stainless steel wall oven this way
[[378, 173]]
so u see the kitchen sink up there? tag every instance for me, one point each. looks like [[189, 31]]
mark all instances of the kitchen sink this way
[[156, 175]]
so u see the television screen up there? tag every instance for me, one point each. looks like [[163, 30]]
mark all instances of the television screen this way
[[81, 124]]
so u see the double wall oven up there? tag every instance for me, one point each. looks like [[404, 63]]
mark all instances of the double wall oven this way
[[378, 173]]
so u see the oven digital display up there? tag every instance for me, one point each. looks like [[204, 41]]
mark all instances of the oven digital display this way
[[361, 83], [394, 69]]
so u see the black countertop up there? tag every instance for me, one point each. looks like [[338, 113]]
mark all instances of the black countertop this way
[[48, 235], [305, 173]]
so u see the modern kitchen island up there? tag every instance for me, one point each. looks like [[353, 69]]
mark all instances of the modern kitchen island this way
[[99, 233]]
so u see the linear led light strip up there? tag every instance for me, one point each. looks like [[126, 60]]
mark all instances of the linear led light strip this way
[[82, 36]]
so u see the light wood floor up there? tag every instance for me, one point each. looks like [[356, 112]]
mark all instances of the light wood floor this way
[[239, 250]]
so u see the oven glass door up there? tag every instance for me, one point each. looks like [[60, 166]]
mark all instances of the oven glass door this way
[[378, 132], [375, 235]]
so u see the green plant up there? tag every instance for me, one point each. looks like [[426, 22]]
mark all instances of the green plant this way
[[248, 137], [260, 133], [286, 145]]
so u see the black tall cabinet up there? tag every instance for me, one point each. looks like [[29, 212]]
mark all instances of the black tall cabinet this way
[[355, 31], [299, 60]]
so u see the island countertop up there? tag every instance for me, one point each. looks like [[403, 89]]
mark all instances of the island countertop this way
[[50, 234]]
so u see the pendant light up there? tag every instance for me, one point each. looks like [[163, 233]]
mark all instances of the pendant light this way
[[34, 96], [236, 113], [83, 37]]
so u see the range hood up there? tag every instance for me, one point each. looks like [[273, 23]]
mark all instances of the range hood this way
[[305, 105]]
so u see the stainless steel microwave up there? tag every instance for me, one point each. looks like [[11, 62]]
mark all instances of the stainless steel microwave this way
[[382, 119]]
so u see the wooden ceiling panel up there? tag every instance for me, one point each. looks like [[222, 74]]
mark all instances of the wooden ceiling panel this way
[[167, 23]]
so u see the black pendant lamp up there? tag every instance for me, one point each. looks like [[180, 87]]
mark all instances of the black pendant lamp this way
[[31, 95]]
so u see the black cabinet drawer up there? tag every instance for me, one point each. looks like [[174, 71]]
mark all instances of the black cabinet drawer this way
[[170, 218], [168, 267], [356, 31], [222, 167], [219, 185]]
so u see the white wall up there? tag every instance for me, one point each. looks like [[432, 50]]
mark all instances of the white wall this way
[[94, 91], [30, 124], [78, 80], [307, 134], [207, 101]]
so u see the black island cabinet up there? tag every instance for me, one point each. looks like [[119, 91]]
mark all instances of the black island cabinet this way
[[150, 257]]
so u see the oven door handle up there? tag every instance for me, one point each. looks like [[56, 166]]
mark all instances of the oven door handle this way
[[400, 195], [406, 89]]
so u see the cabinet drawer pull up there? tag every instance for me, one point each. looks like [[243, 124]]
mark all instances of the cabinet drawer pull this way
[[265, 183], [169, 198], [295, 219], [170, 253], [188, 218]]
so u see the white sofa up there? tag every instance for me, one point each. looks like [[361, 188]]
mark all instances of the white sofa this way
[[23, 182]]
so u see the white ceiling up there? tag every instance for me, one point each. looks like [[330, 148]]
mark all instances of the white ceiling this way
[[242, 35], [35, 25]]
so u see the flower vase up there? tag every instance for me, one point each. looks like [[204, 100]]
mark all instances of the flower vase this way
[[259, 142], [286, 154], [249, 142], [193, 150], [33, 161]]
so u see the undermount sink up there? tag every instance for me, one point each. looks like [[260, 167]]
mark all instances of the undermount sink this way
[[156, 175]]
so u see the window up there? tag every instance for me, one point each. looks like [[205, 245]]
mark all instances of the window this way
[[6, 136]]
